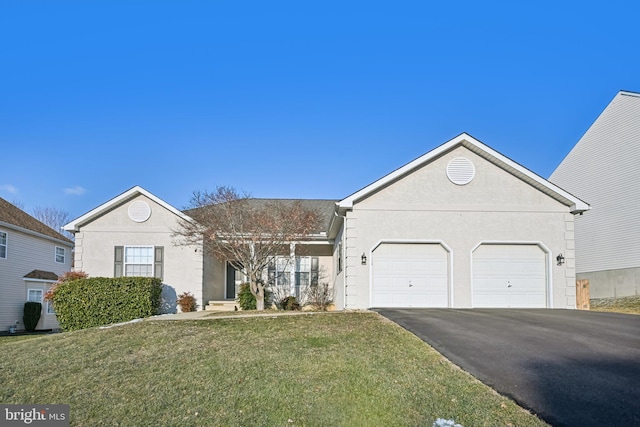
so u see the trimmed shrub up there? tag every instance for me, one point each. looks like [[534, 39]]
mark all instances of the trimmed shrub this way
[[247, 300], [96, 301], [31, 316], [187, 302], [290, 303]]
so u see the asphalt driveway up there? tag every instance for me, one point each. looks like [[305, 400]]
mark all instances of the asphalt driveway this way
[[571, 368]]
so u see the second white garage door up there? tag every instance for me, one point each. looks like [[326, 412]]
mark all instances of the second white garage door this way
[[410, 275], [509, 276]]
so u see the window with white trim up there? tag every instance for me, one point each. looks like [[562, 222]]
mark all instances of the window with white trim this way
[[60, 254], [3, 244], [138, 261], [339, 260], [146, 261], [35, 295], [306, 272]]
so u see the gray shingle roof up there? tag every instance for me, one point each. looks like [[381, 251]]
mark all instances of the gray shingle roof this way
[[324, 208]]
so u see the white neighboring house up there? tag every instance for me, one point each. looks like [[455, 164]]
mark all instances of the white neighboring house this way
[[32, 256], [604, 168]]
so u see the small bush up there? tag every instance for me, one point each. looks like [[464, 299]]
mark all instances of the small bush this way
[[187, 302], [88, 302], [31, 316], [247, 300], [320, 296], [290, 303]]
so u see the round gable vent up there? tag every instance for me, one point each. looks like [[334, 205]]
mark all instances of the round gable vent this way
[[460, 171], [139, 211]]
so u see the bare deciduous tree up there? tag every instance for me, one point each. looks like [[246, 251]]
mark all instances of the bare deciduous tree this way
[[244, 231], [18, 204], [52, 217]]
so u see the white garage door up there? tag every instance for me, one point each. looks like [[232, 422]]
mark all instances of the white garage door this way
[[409, 275], [509, 276]]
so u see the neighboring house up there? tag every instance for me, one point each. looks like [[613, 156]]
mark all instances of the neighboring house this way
[[462, 226], [132, 234], [32, 256], [604, 168]]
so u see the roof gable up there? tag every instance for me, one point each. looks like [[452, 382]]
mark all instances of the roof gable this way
[[576, 205], [12, 215], [75, 225]]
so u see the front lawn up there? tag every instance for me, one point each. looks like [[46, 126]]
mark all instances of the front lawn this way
[[333, 369]]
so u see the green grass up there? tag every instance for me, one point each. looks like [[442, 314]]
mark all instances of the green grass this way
[[629, 305], [6, 339], [334, 369]]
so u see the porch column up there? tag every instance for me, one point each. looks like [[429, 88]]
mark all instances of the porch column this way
[[292, 260]]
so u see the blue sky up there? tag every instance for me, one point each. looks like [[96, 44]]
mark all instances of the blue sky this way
[[291, 99]]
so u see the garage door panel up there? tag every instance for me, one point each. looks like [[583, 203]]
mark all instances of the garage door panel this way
[[509, 276], [409, 275]]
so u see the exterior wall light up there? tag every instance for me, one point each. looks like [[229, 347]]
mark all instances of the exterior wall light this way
[[560, 259], [363, 259]]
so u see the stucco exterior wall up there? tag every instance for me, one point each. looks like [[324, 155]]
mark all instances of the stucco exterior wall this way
[[425, 206], [95, 242], [27, 252]]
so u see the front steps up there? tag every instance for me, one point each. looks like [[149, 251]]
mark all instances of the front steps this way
[[229, 305]]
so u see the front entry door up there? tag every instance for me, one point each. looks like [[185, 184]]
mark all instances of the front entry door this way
[[232, 275]]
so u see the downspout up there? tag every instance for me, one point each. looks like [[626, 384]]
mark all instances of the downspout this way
[[344, 250]]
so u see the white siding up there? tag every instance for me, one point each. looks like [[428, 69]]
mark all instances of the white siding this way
[[25, 253], [604, 170]]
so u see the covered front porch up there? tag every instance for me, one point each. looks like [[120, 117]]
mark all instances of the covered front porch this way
[[287, 274]]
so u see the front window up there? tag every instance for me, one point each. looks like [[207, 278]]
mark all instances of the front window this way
[[305, 271], [3, 244], [60, 254], [138, 261]]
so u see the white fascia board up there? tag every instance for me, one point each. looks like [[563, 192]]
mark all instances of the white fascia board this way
[[576, 205], [78, 222], [629, 93], [38, 280]]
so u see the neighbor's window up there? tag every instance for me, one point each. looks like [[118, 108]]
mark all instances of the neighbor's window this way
[[138, 261], [3, 244], [339, 266], [35, 295], [59, 254]]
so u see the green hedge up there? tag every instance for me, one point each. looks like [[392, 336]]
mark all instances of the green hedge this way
[[97, 301]]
